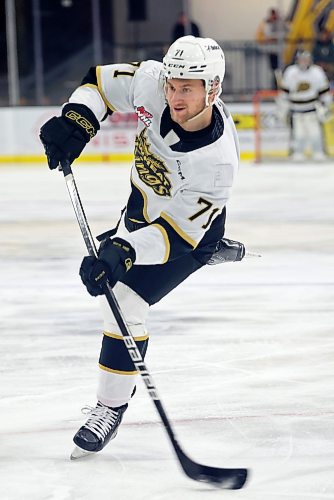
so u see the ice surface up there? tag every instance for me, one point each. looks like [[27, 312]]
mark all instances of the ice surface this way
[[242, 354]]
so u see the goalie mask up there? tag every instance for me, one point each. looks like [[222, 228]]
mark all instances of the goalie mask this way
[[196, 58], [304, 60]]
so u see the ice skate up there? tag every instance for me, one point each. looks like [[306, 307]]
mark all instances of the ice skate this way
[[101, 426], [319, 156], [298, 157]]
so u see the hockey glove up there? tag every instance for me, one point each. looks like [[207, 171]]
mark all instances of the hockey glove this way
[[227, 251], [323, 112], [115, 258], [64, 137]]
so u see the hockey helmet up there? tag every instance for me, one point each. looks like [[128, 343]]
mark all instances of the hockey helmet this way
[[196, 58]]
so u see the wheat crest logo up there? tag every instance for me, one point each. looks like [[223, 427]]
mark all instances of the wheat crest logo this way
[[151, 169]]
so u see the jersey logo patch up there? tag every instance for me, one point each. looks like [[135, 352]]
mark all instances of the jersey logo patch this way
[[303, 86], [144, 115], [151, 169]]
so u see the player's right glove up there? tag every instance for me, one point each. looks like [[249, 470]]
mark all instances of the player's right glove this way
[[115, 258], [65, 136], [227, 251]]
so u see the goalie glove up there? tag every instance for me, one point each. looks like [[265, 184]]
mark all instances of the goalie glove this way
[[115, 258], [227, 251], [323, 112], [64, 137]]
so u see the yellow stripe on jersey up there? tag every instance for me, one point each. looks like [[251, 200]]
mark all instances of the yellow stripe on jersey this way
[[99, 85], [120, 372], [137, 221], [90, 85], [119, 336], [166, 240], [178, 230]]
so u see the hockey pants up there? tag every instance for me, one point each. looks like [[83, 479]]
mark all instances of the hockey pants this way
[[143, 286]]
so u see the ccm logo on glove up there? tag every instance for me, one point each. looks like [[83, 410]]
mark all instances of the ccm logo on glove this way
[[64, 137], [82, 121]]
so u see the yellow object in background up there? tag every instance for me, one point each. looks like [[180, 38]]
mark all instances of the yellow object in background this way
[[303, 26], [329, 134]]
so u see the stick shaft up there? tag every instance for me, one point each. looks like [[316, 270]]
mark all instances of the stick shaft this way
[[129, 341], [225, 478]]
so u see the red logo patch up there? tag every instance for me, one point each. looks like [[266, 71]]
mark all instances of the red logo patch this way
[[144, 115]]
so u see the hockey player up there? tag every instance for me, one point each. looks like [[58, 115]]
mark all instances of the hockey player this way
[[306, 95], [185, 161]]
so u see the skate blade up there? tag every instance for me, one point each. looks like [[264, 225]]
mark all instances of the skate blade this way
[[80, 453]]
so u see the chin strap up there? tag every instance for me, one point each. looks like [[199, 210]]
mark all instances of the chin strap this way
[[200, 113], [207, 105]]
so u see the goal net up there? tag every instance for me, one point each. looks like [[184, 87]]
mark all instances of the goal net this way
[[273, 135]]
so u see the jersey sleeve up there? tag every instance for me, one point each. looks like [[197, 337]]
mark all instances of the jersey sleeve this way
[[235, 135], [180, 227], [323, 80], [287, 79], [108, 88], [325, 95]]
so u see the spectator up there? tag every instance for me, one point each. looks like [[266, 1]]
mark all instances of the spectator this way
[[268, 34], [184, 26], [323, 52]]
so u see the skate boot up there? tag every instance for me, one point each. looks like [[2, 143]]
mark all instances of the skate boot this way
[[101, 426], [298, 156], [319, 156]]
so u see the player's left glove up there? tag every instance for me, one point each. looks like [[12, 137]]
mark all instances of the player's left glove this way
[[323, 112], [227, 251], [115, 258]]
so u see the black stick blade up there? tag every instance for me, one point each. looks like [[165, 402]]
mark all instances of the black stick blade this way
[[230, 479]]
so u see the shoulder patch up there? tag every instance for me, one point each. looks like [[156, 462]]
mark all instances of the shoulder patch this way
[[144, 115]]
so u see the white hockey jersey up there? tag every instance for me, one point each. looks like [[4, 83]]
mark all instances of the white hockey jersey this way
[[179, 186], [304, 88]]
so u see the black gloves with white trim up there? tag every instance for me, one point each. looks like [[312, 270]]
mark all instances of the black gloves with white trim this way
[[115, 258], [64, 137]]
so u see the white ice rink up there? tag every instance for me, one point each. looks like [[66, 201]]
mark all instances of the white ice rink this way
[[242, 354]]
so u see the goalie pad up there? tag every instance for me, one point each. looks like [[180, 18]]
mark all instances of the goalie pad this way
[[307, 133], [283, 109]]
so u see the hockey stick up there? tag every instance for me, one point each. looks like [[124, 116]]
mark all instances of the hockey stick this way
[[224, 478]]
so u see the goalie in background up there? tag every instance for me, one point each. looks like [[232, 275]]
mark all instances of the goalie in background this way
[[305, 103]]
